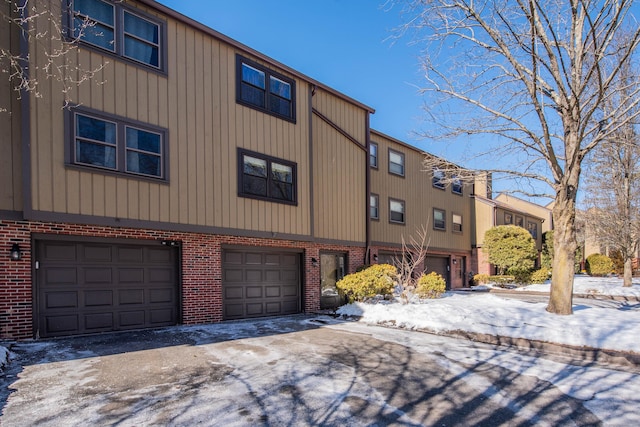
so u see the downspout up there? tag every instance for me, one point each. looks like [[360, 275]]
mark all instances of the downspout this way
[[25, 110], [367, 231]]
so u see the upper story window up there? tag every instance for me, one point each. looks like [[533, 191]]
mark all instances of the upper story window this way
[[508, 218], [532, 227], [438, 178], [265, 90], [439, 219], [396, 211], [456, 185], [265, 177], [396, 163], [373, 155], [519, 221], [116, 144], [374, 206], [456, 221], [122, 31]]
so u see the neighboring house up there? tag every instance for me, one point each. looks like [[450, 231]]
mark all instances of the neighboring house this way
[[489, 213], [406, 199], [543, 212]]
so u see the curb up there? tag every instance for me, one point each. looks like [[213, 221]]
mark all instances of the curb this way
[[627, 298]]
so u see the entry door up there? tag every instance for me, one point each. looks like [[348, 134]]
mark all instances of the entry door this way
[[332, 269]]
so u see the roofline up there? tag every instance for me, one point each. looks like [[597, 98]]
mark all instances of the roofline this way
[[498, 204], [522, 200], [414, 148], [217, 35]]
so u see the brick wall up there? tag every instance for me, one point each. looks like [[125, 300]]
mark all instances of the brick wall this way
[[201, 269]]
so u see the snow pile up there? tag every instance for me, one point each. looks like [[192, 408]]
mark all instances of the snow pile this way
[[587, 285], [606, 328]]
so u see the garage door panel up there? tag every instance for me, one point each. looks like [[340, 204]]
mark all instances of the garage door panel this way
[[130, 296], [63, 299], [61, 276], [131, 275], [60, 251], [235, 292], [97, 275], [97, 253], [253, 292], [98, 298], [128, 319], [268, 285], [102, 321], [63, 324], [106, 287]]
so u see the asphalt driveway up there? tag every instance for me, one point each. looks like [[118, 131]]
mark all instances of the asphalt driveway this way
[[291, 371]]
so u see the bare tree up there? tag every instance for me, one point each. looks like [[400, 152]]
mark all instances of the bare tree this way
[[536, 77], [19, 20], [613, 189], [410, 263]]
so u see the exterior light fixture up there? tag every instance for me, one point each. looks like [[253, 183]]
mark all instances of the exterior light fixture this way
[[375, 257], [314, 262], [16, 253]]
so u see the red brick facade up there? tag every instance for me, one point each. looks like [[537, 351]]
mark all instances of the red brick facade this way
[[201, 270]]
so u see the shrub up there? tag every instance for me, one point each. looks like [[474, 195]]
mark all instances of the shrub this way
[[502, 280], [375, 280], [540, 276], [480, 278], [520, 275], [431, 285], [618, 262], [509, 246], [599, 265]]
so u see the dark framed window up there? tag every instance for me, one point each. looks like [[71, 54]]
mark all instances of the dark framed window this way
[[374, 206], [456, 185], [373, 155], [266, 178], [396, 211], [116, 144], [438, 178], [508, 218], [119, 30], [519, 221], [396, 162], [439, 219], [532, 227], [456, 223], [265, 90]]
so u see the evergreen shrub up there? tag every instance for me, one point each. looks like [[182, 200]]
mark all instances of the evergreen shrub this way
[[378, 279], [599, 265], [431, 285]]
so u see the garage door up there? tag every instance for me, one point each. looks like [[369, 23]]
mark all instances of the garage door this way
[[86, 287], [440, 265], [259, 283]]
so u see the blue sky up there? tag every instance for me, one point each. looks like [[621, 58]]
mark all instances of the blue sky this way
[[345, 44]]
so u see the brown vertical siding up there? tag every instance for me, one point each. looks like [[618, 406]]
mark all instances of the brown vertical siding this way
[[339, 172], [10, 116], [420, 197], [195, 101]]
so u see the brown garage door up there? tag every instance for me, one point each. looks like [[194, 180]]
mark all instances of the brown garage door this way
[[260, 282], [440, 265], [86, 287]]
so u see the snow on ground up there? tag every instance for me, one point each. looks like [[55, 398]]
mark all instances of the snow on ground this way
[[587, 285], [606, 328]]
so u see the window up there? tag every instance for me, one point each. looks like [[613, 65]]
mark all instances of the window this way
[[396, 211], [265, 177], [438, 178], [439, 219], [373, 155], [456, 185], [508, 219], [119, 30], [116, 144], [263, 89], [456, 221], [519, 221], [396, 163], [532, 227], [374, 205]]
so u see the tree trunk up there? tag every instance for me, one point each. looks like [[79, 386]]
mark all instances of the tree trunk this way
[[628, 272], [564, 251]]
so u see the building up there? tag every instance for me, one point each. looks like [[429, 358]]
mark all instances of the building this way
[[194, 180]]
